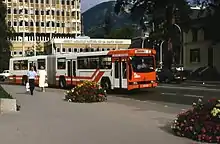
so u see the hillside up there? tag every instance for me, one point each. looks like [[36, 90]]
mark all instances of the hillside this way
[[93, 19]]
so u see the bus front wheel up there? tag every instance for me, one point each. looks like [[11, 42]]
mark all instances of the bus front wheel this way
[[106, 84], [62, 82]]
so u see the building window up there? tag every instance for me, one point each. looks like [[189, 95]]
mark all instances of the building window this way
[[48, 24], [42, 12], [42, 24], [58, 13], [62, 13], [37, 24], [73, 13], [69, 50], [26, 23], [195, 55], [58, 24], [31, 23], [48, 12], [58, 49], [9, 23], [63, 50], [72, 2], [37, 12], [9, 11], [15, 11], [194, 35], [15, 23]]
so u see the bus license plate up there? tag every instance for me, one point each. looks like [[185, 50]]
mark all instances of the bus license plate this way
[[145, 85]]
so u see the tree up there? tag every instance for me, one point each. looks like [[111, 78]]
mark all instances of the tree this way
[[107, 25], [122, 33], [161, 13], [212, 10], [5, 34]]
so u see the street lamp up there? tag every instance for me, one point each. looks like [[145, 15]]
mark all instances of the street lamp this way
[[181, 42], [34, 25], [161, 53]]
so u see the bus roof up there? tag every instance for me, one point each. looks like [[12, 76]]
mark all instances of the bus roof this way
[[126, 52], [132, 52], [30, 57]]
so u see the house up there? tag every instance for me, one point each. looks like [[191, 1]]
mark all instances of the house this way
[[198, 49]]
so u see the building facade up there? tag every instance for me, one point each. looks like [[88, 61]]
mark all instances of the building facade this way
[[62, 46], [40, 20]]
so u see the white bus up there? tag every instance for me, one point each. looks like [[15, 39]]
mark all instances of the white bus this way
[[113, 69], [19, 66]]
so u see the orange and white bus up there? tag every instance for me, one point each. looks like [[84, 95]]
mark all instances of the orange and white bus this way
[[127, 69]]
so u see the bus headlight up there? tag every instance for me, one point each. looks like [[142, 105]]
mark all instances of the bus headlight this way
[[135, 83]]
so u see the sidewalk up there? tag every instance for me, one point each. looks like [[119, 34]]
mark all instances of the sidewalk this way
[[46, 119]]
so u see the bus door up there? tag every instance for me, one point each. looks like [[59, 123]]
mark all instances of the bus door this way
[[120, 73], [71, 70]]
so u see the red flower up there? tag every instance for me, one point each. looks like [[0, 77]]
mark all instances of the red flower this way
[[203, 130], [101, 95], [212, 100]]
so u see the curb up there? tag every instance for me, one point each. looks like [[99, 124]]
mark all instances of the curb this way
[[8, 105], [205, 82]]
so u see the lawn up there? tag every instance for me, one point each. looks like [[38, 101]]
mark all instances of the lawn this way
[[4, 94]]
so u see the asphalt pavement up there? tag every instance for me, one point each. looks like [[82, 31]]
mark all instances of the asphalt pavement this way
[[46, 119], [132, 117]]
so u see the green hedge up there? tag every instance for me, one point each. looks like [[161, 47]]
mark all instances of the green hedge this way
[[4, 94]]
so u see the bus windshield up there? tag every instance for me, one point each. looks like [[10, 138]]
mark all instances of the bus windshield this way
[[142, 63]]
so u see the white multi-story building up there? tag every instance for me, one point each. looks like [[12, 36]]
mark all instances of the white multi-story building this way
[[43, 19]]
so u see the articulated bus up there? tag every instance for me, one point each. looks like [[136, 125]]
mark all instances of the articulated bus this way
[[128, 69]]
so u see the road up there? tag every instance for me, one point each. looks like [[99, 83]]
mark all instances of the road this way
[[136, 117], [45, 118]]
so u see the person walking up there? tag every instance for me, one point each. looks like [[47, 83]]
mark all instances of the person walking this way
[[42, 78], [31, 78]]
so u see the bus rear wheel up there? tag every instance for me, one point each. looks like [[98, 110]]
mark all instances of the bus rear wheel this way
[[62, 83], [24, 80]]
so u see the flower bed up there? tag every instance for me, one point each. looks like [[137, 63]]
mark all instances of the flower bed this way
[[86, 92], [201, 123]]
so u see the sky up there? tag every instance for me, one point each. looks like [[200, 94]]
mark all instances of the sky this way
[[87, 4]]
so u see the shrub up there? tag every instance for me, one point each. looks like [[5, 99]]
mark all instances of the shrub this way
[[4, 94], [86, 92], [201, 123]]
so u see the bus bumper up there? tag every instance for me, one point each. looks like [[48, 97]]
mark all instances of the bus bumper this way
[[142, 86]]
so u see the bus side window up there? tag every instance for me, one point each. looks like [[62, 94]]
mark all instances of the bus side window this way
[[41, 63], [116, 69]]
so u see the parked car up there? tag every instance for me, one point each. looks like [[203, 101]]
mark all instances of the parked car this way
[[4, 75], [176, 74]]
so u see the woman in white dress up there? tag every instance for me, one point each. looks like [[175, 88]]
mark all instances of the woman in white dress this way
[[42, 78]]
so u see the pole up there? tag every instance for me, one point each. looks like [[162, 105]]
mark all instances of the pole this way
[[181, 41], [161, 53], [35, 50], [23, 35]]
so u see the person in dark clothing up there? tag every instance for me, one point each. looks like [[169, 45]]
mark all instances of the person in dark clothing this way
[[31, 78]]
